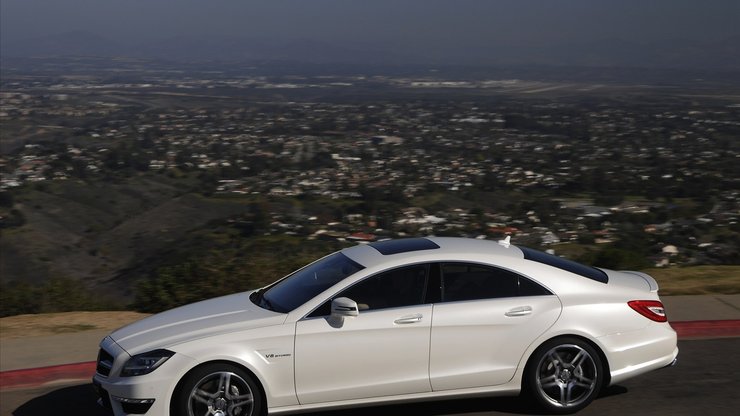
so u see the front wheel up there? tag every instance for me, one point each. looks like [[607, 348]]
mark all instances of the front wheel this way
[[217, 389], [564, 375]]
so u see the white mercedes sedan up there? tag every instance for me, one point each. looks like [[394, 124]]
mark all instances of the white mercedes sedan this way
[[394, 321]]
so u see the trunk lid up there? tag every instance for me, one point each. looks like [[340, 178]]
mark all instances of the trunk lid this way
[[628, 279]]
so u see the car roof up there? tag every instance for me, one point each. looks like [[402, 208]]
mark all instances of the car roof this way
[[427, 248]]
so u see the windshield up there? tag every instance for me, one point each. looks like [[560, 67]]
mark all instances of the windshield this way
[[304, 284]]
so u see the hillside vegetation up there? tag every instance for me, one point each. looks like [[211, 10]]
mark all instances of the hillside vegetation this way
[[697, 280], [152, 242], [91, 231], [152, 250]]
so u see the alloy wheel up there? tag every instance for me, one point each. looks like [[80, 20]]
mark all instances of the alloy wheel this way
[[221, 394], [567, 376]]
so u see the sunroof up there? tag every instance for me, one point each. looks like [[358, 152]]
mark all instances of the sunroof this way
[[403, 245]]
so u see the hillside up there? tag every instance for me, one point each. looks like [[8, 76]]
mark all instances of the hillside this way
[[95, 231]]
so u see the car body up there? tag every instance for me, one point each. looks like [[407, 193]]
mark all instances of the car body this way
[[394, 321]]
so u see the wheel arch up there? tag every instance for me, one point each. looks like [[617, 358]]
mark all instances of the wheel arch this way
[[590, 342], [242, 367]]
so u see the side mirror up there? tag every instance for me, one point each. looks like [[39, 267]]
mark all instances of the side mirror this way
[[341, 307]]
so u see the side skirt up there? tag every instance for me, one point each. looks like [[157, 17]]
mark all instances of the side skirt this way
[[509, 389]]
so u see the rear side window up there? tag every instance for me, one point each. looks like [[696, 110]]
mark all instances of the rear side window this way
[[463, 281], [565, 264]]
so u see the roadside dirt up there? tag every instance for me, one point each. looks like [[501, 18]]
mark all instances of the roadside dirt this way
[[58, 323]]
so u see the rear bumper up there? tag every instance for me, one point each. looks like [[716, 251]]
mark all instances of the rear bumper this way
[[638, 352], [673, 363]]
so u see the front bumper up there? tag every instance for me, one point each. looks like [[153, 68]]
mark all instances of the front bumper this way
[[147, 394], [122, 405]]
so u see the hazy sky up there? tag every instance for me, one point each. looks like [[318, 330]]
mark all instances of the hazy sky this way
[[508, 22], [403, 24]]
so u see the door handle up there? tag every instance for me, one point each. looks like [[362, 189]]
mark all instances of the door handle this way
[[409, 319], [519, 311]]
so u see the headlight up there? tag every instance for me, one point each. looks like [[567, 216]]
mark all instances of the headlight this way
[[145, 363]]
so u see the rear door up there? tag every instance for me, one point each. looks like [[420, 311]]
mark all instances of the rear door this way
[[487, 318]]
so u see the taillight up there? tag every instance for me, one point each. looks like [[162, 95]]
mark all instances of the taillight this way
[[651, 309]]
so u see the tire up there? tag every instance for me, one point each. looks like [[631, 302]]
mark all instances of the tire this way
[[217, 389], [564, 375]]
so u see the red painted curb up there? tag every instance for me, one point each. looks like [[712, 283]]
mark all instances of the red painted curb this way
[[34, 377], [704, 329]]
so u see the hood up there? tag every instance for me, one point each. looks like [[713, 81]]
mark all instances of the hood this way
[[198, 320]]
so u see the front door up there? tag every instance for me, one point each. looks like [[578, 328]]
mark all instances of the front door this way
[[382, 352]]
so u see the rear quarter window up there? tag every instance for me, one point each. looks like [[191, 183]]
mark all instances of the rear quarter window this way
[[564, 264], [463, 281]]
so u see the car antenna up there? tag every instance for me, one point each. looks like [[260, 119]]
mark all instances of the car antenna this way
[[506, 242]]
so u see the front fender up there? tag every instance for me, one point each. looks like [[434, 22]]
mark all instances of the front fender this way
[[268, 353]]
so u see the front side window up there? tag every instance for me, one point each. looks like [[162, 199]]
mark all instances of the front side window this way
[[464, 281], [304, 284], [392, 289]]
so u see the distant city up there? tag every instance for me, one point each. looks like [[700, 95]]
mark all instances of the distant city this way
[[619, 173]]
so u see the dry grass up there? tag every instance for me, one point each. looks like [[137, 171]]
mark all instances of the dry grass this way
[[698, 280], [56, 323]]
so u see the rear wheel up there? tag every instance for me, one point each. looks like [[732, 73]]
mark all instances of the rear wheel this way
[[217, 389], [564, 375]]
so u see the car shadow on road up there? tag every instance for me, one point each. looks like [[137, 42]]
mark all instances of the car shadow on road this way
[[75, 400], [614, 390], [521, 405], [511, 405], [82, 400]]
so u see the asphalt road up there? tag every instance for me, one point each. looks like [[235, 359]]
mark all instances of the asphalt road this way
[[705, 381]]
